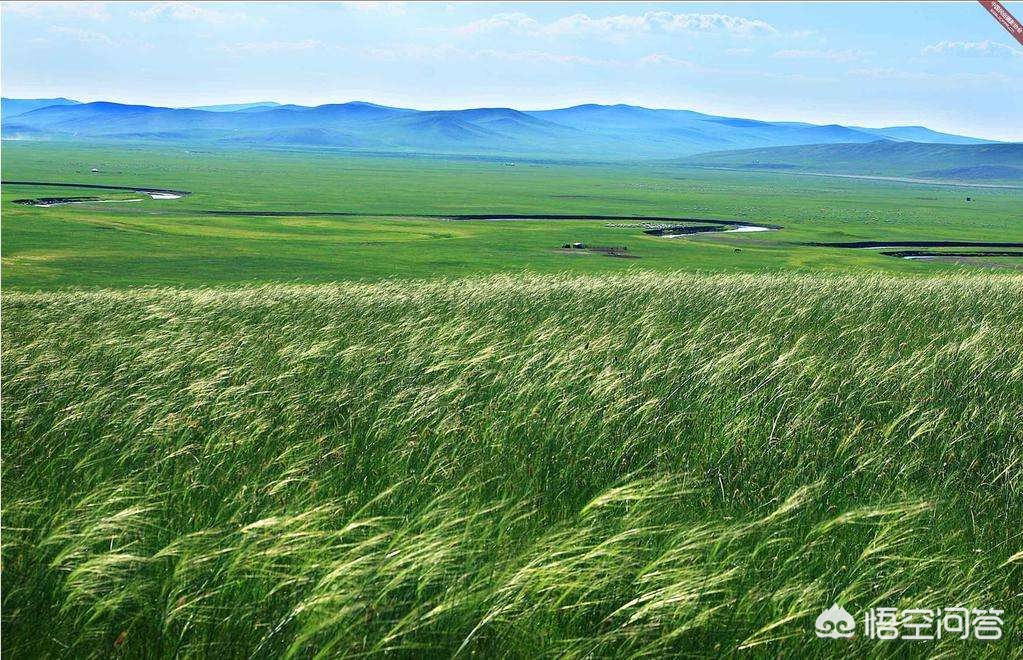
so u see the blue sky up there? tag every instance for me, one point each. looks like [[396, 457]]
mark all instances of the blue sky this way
[[948, 66]]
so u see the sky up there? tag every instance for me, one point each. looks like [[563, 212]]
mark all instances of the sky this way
[[948, 66]]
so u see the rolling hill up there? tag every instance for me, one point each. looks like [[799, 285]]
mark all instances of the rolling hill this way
[[593, 132], [14, 107], [959, 162], [258, 106], [918, 134]]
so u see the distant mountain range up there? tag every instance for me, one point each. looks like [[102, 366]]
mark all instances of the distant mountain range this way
[[239, 107], [14, 107], [592, 132]]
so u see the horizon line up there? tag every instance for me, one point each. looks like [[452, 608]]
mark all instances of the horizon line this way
[[508, 107]]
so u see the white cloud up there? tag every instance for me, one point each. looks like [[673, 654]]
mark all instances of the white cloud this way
[[797, 77], [447, 51], [621, 26], [92, 10], [412, 52], [81, 36], [898, 74], [973, 48], [582, 24], [184, 11], [89, 38], [417, 52], [829, 55], [515, 22], [661, 59], [369, 6], [536, 57], [265, 47], [736, 25]]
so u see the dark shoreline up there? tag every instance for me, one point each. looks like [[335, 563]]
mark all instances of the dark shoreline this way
[[894, 244], [902, 254], [96, 186], [493, 217]]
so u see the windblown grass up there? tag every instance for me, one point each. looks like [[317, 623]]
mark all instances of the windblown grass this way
[[517, 466]]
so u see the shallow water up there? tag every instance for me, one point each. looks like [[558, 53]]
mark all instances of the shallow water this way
[[747, 228], [739, 229]]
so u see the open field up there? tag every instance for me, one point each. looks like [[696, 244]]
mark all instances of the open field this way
[[356, 420], [511, 331], [651, 465], [175, 242]]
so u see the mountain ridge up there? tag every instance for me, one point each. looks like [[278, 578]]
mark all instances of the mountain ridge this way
[[591, 131], [13, 107]]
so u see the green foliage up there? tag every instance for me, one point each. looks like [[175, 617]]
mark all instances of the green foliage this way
[[645, 465]]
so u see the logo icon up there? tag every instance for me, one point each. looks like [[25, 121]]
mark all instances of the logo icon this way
[[835, 622]]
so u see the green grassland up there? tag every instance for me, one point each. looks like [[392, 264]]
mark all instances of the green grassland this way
[[393, 434], [173, 242], [649, 465]]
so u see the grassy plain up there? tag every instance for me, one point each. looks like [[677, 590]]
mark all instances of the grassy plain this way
[[355, 435], [651, 465], [173, 242]]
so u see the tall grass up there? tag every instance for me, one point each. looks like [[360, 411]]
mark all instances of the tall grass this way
[[516, 466]]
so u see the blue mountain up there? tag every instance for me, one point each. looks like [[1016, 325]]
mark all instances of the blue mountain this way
[[259, 106], [14, 107], [594, 132], [919, 134]]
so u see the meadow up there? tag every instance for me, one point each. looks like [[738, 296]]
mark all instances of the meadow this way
[[391, 433], [649, 465], [176, 243]]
